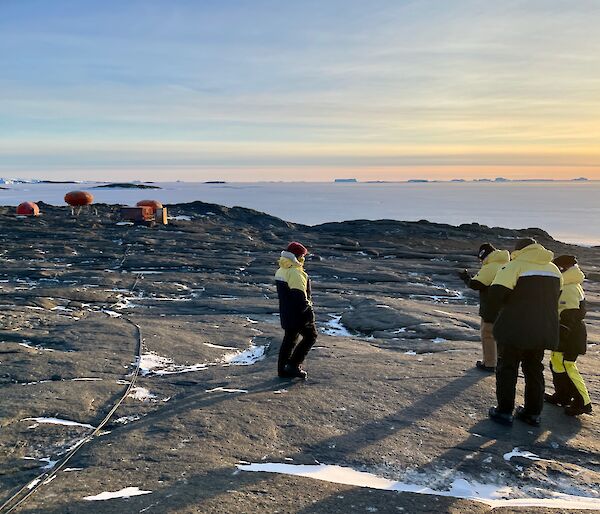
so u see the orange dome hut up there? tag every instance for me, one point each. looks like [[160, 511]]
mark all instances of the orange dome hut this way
[[155, 204], [79, 198], [28, 209], [158, 210]]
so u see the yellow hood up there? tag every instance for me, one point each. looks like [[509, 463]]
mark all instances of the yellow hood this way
[[499, 256], [573, 275], [534, 253], [289, 260]]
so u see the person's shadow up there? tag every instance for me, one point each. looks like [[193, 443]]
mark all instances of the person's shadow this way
[[478, 456], [483, 457]]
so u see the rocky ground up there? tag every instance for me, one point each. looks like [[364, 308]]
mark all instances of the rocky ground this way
[[392, 389]]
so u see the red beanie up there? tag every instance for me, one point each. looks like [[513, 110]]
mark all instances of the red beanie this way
[[297, 249]]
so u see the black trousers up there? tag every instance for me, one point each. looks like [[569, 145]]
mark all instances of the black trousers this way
[[507, 372], [292, 353]]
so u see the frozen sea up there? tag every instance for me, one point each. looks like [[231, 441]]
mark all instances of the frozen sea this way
[[569, 211]]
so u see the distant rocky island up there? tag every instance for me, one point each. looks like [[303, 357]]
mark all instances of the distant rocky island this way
[[126, 185]]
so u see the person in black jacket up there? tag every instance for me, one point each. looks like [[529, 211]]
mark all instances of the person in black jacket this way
[[523, 301], [569, 386], [295, 311], [491, 261]]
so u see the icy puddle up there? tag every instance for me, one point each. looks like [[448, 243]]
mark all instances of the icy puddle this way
[[247, 357], [220, 347], [334, 327], [127, 492], [489, 494], [225, 390], [142, 394], [154, 364], [57, 421], [516, 452], [25, 344]]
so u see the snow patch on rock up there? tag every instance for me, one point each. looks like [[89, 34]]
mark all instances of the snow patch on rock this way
[[493, 495], [127, 492]]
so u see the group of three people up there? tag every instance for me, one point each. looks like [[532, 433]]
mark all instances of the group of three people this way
[[531, 302]]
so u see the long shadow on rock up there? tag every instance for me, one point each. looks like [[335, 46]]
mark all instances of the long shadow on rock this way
[[369, 433], [480, 456], [205, 486]]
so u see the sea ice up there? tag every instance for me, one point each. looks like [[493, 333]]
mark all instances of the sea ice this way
[[127, 492]]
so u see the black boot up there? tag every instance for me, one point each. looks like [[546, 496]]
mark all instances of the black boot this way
[[292, 371], [577, 407], [285, 352], [482, 367], [530, 419], [504, 418], [563, 388]]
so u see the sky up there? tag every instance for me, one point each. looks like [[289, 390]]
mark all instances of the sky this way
[[299, 91]]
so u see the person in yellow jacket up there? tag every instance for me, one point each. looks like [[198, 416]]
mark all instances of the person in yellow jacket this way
[[295, 311], [523, 302], [491, 261], [569, 387]]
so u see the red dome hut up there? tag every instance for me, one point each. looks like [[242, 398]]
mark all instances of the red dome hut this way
[[79, 198], [28, 209], [155, 204]]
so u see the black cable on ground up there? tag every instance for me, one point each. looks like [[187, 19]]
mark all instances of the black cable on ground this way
[[29, 489], [34, 485]]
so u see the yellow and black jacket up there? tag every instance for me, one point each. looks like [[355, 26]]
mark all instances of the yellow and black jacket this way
[[523, 300], [293, 289], [483, 280], [572, 310]]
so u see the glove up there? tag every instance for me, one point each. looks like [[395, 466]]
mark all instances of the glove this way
[[464, 276]]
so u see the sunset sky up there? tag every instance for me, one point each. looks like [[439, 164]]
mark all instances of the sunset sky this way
[[306, 90]]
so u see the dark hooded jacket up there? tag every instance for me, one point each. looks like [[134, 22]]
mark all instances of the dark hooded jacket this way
[[484, 278], [572, 311], [293, 290], [523, 300]]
